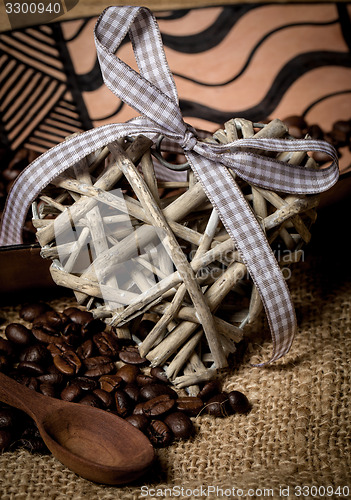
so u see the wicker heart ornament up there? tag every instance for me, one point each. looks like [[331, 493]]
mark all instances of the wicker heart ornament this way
[[125, 251]]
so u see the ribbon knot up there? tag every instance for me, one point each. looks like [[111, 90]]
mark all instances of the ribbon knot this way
[[189, 139], [153, 94]]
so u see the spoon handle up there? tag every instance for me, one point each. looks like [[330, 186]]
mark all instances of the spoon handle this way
[[21, 397]]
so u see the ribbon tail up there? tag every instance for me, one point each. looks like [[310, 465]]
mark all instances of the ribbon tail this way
[[256, 253]]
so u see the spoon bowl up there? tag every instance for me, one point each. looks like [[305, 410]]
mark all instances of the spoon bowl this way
[[93, 443]]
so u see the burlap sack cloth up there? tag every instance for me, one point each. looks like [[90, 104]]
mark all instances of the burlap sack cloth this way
[[297, 433]]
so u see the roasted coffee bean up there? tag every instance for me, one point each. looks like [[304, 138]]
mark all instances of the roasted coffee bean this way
[[98, 366], [71, 334], [105, 397], [110, 382], [124, 405], [239, 402], [36, 353], [139, 409], [315, 132], [68, 363], [209, 389], [78, 315], [130, 355], [30, 312], [93, 327], [6, 439], [144, 328], [71, 392], [218, 405], [106, 344], [159, 373], [189, 405], [91, 400], [180, 425], [51, 320], [159, 433], [143, 379], [30, 368], [159, 406], [128, 373], [133, 392], [86, 383], [139, 421], [47, 336], [48, 389], [150, 391], [86, 349], [51, 378], [19, 335], [7, 348]]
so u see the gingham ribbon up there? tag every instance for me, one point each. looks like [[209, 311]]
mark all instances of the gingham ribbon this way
[[153, 94]]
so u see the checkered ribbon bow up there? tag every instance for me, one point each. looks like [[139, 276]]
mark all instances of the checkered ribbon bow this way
[[153, 94]]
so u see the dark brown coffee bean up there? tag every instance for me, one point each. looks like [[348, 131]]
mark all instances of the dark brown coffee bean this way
[[239, 402], [78, 315], [139, 409], [30, 382], [128, 373], [71, 392], [51, 320], [46, 336], [5, 439], [110, 382], [105, 397], [86, 383], [159, 406], [189, 405], [51, 378], [36, 353], [93, 327], [130, 355], [19, 335], [68, 363], [295, 121], [86, 349], [106, 344], [218, 405], [133, 392], [144, 328], [30, 312], [159, 433], [30, 368], [209, 389], [143, 379], [180, 425], [124, 405], [48, 389], [150, 391], [320, 157], [139, 421], [159, 373], [98, 366], [91, 400], [315, 132], [71, 334]]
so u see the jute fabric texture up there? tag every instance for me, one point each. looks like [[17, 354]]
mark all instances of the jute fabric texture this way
[[296, 434]]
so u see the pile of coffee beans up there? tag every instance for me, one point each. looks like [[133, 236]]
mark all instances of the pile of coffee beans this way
[[72, 356]]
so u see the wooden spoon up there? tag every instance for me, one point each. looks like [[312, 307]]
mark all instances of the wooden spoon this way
[[94, 443]]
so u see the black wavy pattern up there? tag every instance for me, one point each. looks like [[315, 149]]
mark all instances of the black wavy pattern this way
[[211, 36], [293, 70]]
